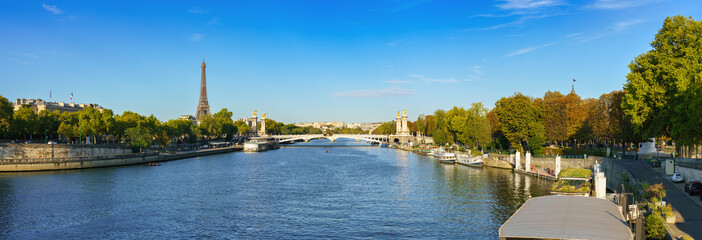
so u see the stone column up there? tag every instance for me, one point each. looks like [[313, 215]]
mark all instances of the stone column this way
[[254, 123], [405, 128], [398, 125], [517, 160], [262, 132], [527, 163], [558, 165], [600, 185]]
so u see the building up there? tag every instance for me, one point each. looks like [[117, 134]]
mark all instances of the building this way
[[37, 105], [203, 107], [187, 117], [322, 125], [365, 126]]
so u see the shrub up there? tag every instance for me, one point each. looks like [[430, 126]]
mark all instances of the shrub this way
[[655, 192], [655, 229]]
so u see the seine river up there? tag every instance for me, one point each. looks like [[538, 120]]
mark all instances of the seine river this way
[[290, 193]]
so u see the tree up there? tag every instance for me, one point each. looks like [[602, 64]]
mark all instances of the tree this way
[[242, 127], [6, 113], [49, 122], [664, 82], [554, 111], [25, 122], [68, 127], [385, 128], [224, 119], [499, 139], [90, 122], [520, 120], [441, 134], [620, 124], [421, 124], [139, 137]]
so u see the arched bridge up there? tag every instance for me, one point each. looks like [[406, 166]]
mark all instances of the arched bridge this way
[[308, 137]]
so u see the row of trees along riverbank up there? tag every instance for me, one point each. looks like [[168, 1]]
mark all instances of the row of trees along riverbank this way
[[662, 98]]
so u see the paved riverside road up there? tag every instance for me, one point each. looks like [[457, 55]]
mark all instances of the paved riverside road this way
[[689, 219]]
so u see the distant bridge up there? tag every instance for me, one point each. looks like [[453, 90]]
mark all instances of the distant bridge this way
[[308, 137]]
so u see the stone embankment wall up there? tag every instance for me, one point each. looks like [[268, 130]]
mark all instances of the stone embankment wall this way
[[690, 168], [550, 163], [498, 161], [41, 150], [615, 174]]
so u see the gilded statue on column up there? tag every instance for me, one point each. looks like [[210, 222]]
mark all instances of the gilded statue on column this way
[[255, 111]]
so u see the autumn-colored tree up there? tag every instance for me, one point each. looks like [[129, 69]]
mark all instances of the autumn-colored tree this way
[[554, 112]]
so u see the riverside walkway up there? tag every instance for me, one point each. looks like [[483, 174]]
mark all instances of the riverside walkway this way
[[83, 162], [687, 211]]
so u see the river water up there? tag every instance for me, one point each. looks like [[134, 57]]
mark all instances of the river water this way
[[290, 193]]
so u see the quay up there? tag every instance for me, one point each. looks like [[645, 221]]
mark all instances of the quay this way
[[538, 174], [69, 163]]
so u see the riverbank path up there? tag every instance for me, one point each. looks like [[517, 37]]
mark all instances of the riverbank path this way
[[687, 211]]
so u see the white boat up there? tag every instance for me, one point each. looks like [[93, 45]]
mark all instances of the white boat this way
[[469, 160], [438, 152], [447, 158]]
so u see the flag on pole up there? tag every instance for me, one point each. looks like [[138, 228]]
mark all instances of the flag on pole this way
[[71, 96], [573, 79]]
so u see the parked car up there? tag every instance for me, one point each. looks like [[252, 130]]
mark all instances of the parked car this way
[[677, 177], [693, 187]]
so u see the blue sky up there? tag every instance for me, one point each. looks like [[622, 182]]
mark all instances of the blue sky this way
[[353, 61]]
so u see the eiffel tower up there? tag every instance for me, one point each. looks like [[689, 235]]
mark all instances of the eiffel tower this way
[[203, 108]]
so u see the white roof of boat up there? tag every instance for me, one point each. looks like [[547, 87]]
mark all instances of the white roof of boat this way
[[567, 217]]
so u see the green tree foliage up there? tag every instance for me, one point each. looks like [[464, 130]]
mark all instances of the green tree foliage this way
[[345, 130], [470, 127], [520, 120], [6, 114], [68, 128], [25, 122], [441, 135], [663, 85], [49, 122], [242, 127], [654, 225], [139, 137], [385, 128]]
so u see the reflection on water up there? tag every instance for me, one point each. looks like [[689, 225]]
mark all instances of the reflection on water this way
[[287, 193]]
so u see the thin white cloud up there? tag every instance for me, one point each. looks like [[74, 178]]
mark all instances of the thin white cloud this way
[[624, 25], [213, 21], [620, 4], [397, 82], [196, 37], [428, 79], [528, 4], [52, 8], [522, 20], [197, 10], [530, 49], [377, 93], [572, 35]]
